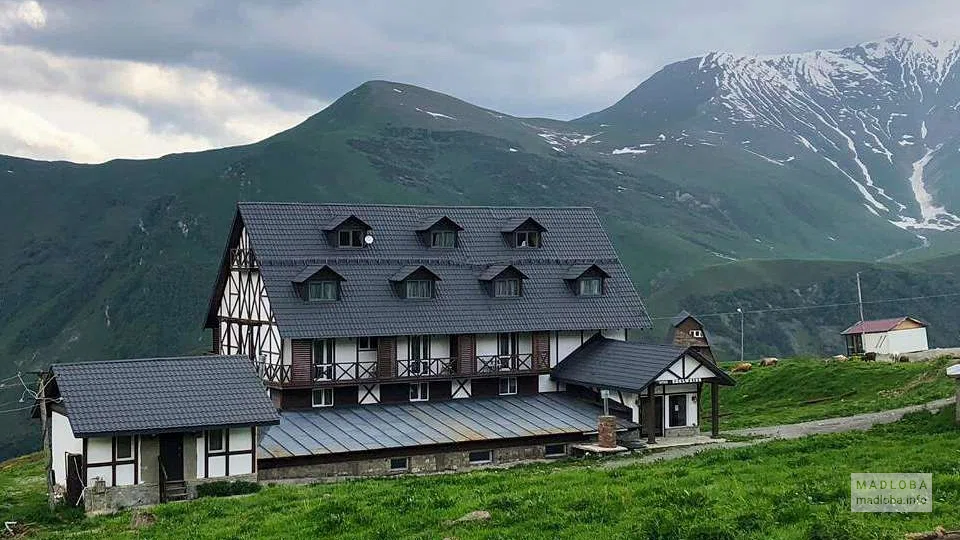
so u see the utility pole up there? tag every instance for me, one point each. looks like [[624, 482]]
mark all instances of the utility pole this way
[[859, 297], [741, 333]]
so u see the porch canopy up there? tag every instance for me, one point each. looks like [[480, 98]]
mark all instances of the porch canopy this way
[[636, 367]]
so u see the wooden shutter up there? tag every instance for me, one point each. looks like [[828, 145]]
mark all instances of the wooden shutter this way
[[302, 358]]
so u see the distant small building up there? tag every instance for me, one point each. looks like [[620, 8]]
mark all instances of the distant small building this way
[[687, 331], [886, 336]]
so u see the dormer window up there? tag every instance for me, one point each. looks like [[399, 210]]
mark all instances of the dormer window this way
[[318, 291], [523, 232], [590, 286], [443, 239], [419, 288], [506, 288], [586, 279], [415, 282], [529, 239], [350, 238]]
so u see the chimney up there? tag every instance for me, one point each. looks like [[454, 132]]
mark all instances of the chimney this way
[[607, 431]]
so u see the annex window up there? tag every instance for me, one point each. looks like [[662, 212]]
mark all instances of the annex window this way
[[443, 239], [506, 287], [420, 391], [419, 288], [322, 290], [367, 343], [590, 286], [214, 439], [508, 386], [124, 447], [350, 238], [480, 457], [696, 333], [399, 464], [554, 450], [322, 397], [527, 239]]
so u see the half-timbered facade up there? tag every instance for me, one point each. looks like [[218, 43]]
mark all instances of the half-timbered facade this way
[[369, 323]]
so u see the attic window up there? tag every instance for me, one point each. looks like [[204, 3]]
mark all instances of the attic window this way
[[419, 288], [503, 288], [590, 286], [443, 239], [320, 291], [527, 239], [350, 238], [696, 333]]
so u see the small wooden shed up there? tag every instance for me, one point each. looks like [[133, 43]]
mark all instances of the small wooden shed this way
[[886, 336]]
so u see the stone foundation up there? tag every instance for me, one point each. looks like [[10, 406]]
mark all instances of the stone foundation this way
[[99, 499], [417, 464], [687, 431]]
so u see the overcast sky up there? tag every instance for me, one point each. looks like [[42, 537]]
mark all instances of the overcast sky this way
[[92, 80]]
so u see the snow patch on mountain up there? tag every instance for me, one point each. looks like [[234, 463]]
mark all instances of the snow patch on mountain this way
[[436, 114]]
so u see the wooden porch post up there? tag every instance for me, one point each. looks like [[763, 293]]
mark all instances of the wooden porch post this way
[[714, 410], [649, 420]]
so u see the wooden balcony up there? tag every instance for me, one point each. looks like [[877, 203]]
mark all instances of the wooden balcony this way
[[431, 367], [511, 363], [273, 373]]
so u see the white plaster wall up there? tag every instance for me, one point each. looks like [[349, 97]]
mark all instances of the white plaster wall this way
[[691, 416], [618, 334], [99, 449], [905, 341], [218, 466], [201, 446], [368, 357], [240, 439], [345, 350], [287, 353], [373, 398], [486, 344], [125, 474], [693, 368], [403, 348], [628, 399], [461, 394], [692, 410], [104, 473], [525, 343], [440, 346], [565, 343], [62, 443], [544, 384], [241, 464]]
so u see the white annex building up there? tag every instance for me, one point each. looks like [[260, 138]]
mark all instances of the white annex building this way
[[886, 336]]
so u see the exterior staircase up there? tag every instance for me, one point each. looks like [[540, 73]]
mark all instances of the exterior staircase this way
[[175, 490]]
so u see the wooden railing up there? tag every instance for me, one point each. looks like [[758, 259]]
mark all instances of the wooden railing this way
[[268, 371], [425, 367], [242, 259], [512, 363], [345, 371]]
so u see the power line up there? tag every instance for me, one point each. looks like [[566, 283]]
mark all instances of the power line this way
[[17, 409]]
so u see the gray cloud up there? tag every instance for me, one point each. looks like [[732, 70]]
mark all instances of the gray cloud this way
[[536, 57]]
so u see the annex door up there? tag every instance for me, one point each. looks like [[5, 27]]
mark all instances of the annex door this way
[[74, 479], [171, 455], [658, 421]]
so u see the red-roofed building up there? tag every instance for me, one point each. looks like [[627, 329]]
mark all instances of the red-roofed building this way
[[886, 336]]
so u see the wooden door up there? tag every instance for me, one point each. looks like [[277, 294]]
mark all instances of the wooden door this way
[[74, 479], [171, 455]]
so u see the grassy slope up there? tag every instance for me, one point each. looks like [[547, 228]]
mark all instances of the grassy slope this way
[[776, 395], [791, 489]]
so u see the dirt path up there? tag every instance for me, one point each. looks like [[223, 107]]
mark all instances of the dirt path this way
[[857, 422]]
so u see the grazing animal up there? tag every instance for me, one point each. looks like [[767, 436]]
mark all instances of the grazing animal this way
[[767, 362], [840, 358], [742, 367]]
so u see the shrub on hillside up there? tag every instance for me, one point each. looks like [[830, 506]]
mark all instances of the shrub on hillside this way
[[226, 489]]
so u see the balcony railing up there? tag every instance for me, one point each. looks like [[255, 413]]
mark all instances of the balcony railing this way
[[278, 373], [428, 367], [345, 371], [506, 363]]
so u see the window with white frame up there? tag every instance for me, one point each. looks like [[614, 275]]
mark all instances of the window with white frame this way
[[508, 386], [420, 391], [480, 457], [367, 343], [696, 333], [214, 438], [323, 355], [443, 239], [322, 397], [527, 239], [506, 287], [124, 447], [398, 464], [318, 291], [419, 288], [350, 238], [590, 286], [554, 450]]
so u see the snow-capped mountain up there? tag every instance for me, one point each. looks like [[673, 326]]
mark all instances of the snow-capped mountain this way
[[881, 117]]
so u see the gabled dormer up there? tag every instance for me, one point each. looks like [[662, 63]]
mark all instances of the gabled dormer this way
[[318, 284], [439, 232], [348, 232], [523, 232], [503, 280], [586, 279], [415, 282]]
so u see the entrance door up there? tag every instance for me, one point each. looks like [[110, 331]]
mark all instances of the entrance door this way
[[658, 421], [678, 410], [171, 456], [74, 479]]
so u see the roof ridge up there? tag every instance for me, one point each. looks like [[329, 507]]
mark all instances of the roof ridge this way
[[389, 205], [151, 359]]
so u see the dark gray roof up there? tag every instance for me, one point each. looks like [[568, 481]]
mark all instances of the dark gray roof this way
[[159, 395], [577, 270], [513, 224], [378, 427], [286, 238], [310, 271], [429, 223], [623, 365], [406, 271], [682, 316], [495, 270]]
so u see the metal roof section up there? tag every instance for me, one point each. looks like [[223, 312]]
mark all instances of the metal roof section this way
[[286, 239], [162, 395], [881, 325], [624, 365], [378, 427]]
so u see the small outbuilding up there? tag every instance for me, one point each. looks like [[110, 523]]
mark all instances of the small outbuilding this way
[[127, 433], [886, 336]]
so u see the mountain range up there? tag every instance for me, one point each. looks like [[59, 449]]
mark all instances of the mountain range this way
[[802, 159]]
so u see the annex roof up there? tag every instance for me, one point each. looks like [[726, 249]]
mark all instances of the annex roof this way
[[880, 325], [286, 237], [162, 395], [682, 316], [379, 427], [625, 365], [494, 270]]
